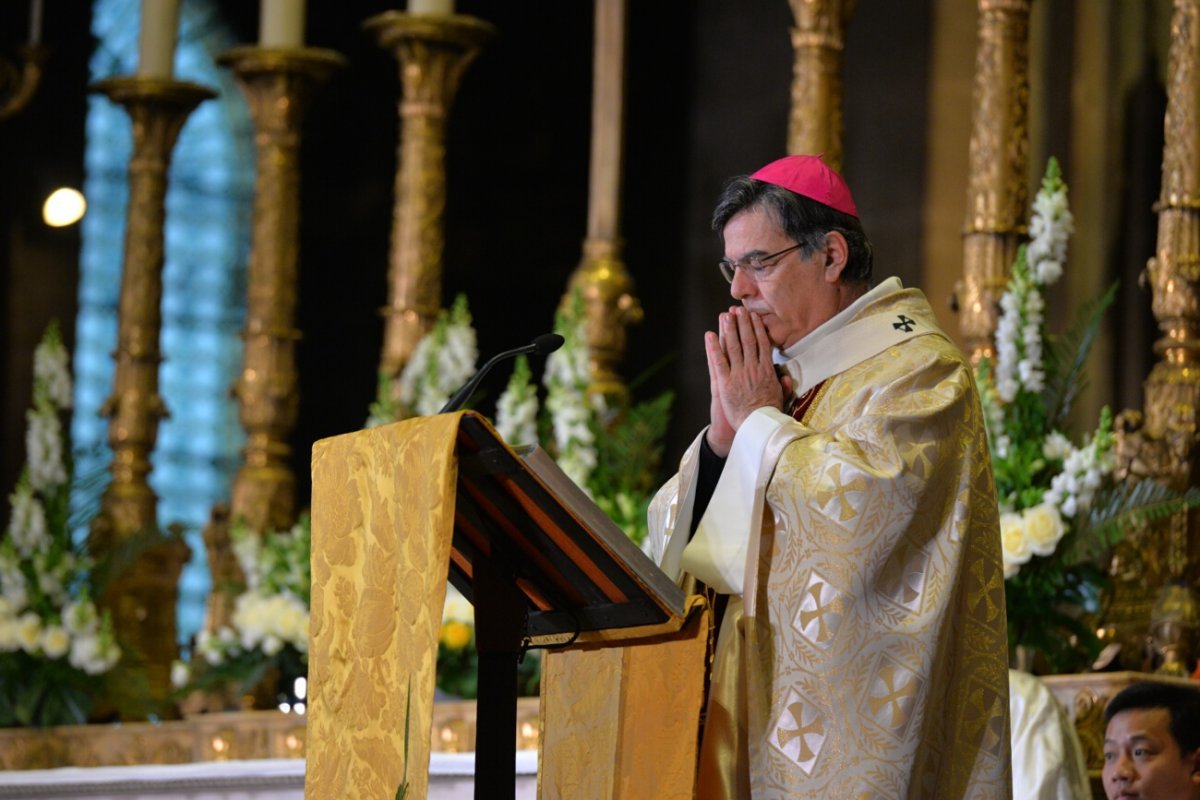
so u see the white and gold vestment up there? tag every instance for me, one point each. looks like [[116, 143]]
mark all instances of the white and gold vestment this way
[[863, 653]]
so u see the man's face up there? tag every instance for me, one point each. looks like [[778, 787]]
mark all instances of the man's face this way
[[1142, 759], [793, 297]]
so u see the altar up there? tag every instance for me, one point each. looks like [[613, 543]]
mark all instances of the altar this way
[[451, 777]]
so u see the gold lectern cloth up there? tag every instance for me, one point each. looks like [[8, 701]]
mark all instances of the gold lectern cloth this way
[[623, 722], [382, 523]]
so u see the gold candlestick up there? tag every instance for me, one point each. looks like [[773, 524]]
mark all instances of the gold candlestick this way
[[601, 277], [1154, 568], [143, 597], [433, 51], [997, 195], [277, 83], [815, 122], [18, 85]]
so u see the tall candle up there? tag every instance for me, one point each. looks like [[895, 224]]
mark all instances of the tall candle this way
[[281, 23], [35, 22], [156, 40], [431, 6]]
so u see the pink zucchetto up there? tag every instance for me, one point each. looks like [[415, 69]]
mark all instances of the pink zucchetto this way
[[811, 177]]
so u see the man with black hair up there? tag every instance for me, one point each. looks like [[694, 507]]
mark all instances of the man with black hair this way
[[840, 513], [1152, 743]]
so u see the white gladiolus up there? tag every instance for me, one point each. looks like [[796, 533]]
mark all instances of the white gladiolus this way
[[44, 449], [27, 526], [9, 640], [52, 372]]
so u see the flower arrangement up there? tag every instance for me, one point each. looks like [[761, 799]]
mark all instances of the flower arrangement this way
[[269, 627], [55, 646], [1060, 509]]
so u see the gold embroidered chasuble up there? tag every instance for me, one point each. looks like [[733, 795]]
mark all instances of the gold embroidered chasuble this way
[[863, 652]]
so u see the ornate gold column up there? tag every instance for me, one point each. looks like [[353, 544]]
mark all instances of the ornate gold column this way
[[815, 123], [601, 276], [997, 195], [434, 51], [1154, 569], [142, 598], [278, 84]]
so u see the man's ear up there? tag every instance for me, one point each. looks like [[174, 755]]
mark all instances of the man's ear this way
[[1195, 759], [837, 254]]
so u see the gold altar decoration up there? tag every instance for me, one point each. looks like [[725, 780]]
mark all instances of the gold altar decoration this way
[[601, 277], [433, 51], [1154, 568], [235, 736], [18, 85], [818, 39], [997, 195], [142, 598]]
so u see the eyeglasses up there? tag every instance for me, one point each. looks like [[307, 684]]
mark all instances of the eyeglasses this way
[[754, 267]]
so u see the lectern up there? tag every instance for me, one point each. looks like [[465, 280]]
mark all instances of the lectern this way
[[400, 509]]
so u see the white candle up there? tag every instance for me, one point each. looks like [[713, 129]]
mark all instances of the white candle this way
[[156, 41], [281, 23], [431, 6], [35, 22]]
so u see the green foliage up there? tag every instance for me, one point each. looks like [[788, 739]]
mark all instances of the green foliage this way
[[628, 456], [1066, 356]]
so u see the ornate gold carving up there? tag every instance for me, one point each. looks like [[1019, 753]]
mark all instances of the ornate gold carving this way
[[142, 598], [434, 51], [277, 84], [815, 122], [601, 277], [1154, 567], [999, 155]]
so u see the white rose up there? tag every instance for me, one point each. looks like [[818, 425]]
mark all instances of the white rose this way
[[1043, 528], [180, 674], [80, 617], [29, 632], [55, 641], [1013, 542], [272, 645], [8, 635]]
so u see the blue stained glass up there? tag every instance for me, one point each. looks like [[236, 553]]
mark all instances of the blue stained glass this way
[[208, 208]]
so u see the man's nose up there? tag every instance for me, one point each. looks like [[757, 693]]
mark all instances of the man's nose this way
[[741, 286], [1123, 771]]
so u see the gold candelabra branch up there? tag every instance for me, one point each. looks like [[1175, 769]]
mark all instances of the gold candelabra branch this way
[[142, 599], [433, 52], [997, 195], [278, 84], [818, 39], [18, 84], [1162, 444]]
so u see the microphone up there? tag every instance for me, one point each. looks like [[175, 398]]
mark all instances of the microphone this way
[[543, 345]]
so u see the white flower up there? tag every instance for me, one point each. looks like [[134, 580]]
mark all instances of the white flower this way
[[29, 632], [44, 448], [55, 641], [51, 372], [9, 639], [180, 674], [1014, 544], [27, 526], [271, 644], [94, 654], [80, 617], [1043, 528], [1056, 446]]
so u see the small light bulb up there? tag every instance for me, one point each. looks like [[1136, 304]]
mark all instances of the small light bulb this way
[[63, 207]]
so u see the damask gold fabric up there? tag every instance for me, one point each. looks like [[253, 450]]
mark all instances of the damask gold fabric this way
[[621, 722], [868, 657], [382, 523]]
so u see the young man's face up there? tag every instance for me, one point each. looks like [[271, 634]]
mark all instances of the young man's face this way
[[1143, 761]]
